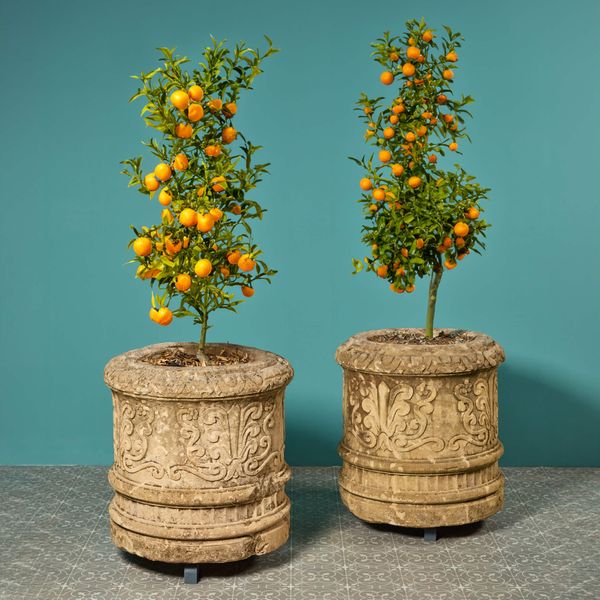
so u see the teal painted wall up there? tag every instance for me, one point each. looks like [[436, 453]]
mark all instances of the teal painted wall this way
[[68, 303]]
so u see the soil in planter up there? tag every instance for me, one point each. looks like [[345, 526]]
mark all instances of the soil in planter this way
[[175, 357], [418, 338]]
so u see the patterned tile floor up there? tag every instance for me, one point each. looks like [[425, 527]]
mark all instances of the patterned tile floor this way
[[545, 544]]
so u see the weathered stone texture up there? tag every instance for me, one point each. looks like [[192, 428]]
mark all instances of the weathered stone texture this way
[[420, 445], [199, 469]]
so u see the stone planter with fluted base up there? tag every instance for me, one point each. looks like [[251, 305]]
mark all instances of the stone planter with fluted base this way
[[420, 445], [199, 469]]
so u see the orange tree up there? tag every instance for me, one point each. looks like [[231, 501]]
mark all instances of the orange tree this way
[[202, 252], [421, 217]]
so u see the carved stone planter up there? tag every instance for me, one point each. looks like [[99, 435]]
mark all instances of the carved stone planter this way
[[420, 445], [199, 469]]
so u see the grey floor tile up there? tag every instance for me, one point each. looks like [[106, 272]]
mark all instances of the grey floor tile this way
[[544, 545]]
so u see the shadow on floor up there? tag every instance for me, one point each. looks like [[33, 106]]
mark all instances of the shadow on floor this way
[[452, 531]]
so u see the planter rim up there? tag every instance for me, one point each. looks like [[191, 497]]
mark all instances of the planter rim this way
[[130, 374], [475, 352]]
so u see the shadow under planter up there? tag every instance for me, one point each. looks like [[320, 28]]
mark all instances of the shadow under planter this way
[[199, 469], [420, 446]]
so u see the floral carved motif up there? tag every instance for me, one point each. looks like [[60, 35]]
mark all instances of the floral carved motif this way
[[391, 419], [477, 407], [134, 430], [227, 442]]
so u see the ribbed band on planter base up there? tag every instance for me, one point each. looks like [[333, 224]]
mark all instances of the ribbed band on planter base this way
[[203, 551], [199, 470], [420, 445]]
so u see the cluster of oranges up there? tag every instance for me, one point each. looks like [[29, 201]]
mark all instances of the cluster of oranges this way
[[420, 221], [189, 104]]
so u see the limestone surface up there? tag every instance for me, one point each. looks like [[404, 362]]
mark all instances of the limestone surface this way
[[199, 469], [420, 445]]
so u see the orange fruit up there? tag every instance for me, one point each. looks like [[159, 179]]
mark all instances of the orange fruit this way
[[216, 183], [153, 314], [247, 291], [372, 207], [410, 289], [367, 110], [398, 108], [411, 41], [151, 182], [188, 217], [216, 213], [200, 191], [164, 316], [180, 162], [447, 242], [382, 270], [142, 246], [379, 194], [246, 263], [205, 222], [203, 268], [427, 36], [419, 243], [225, 271], [448, 74], [388, 133], [195, 112], [410, 137], [448, 118], [163, 171], [196, 93], [234, 257], [230, 109], [212, 150], [236, 209], [184, 130], [386, 78], [215, 104], [421, 131], [365, 184], [397, 170], [427, 115], [432, 158], [452, 56], [453, 146], [408, 69], [461, 229], [404, 252], [449, 264], [165, 197], [394, 119], [472, 213], [228, 135], [459, 242], [186, 242], [414, 182], [179, 99], [385, 156], [172, 248], [394, 56], [413, 52], [442, 99], [183, 282]]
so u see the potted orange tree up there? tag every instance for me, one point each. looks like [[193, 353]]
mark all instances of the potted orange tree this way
[[420, 445], [199, 468]]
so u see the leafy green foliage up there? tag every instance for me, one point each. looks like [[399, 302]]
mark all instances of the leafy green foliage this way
[[212, 170], [417, 211]]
